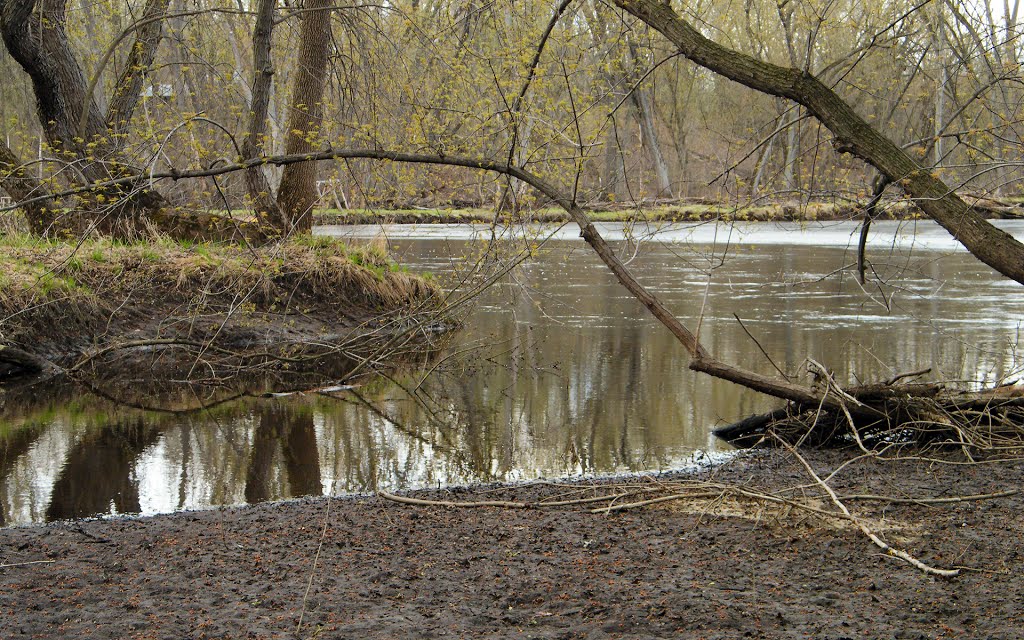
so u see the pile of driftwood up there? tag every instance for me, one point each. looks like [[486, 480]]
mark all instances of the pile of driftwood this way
[[981, 424]]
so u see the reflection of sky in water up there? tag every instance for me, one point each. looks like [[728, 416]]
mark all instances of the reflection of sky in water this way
[[573, 376], [920, 235]]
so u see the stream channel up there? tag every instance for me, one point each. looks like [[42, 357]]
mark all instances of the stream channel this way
[[556, 372]]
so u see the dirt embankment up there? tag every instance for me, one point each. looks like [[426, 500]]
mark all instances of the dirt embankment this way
[[369, 567], [219, 310]]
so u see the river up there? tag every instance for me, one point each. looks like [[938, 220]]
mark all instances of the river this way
[[556, 372]]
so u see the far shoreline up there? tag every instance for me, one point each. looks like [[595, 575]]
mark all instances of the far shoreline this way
[[684, 211]]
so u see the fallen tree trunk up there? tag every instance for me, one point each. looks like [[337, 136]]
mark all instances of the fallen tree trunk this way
[[18, 362], [882, 415]]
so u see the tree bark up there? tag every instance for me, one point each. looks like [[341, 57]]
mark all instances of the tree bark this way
[[992, 246], [36, 36], [22, 185], [136, 68], [266, 208], [297, 194]]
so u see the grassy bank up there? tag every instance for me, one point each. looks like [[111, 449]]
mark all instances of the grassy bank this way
[[695, 212], [61, 299]]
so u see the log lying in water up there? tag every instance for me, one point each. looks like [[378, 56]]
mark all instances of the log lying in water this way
[[884, 414], [16, 362]]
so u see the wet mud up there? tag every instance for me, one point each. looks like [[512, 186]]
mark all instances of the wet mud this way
[[367, 567]]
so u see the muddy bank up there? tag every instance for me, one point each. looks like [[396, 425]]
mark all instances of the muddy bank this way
[[168, 310], [368, 567]]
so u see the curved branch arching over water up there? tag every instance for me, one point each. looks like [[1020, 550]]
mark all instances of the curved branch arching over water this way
[[853, 134], [701, 359]]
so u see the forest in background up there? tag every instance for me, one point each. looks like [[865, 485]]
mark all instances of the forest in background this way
[[612, 113]]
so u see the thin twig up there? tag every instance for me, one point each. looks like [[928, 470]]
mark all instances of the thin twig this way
[[22, 564], [500, 503], [644, 503], [758, 344], [949, 500], [312, 570], [881, 544], [910, 374], [448, 503]]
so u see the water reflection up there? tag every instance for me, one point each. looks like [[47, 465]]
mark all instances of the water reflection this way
[[283, 430], [15, 444], [98, 475], [558, 371]]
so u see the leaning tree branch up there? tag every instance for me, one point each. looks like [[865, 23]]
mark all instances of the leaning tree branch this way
[[701, 359], [853, 134]]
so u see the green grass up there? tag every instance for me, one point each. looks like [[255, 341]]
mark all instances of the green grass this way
[[680, 212], [40, 279]]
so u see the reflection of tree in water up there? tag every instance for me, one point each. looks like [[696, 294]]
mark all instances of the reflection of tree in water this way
[[13, 445], [290, 430], [99, 471]]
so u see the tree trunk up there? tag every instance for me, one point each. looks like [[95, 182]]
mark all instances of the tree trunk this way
[[297, 195], [614, 174], [939, 42], [992, 246], [266, 208], [789, 171], [22, 185], [36, 37], [136, 68], [645, 114]]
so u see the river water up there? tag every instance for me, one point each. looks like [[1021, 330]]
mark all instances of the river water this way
[[556, 372]]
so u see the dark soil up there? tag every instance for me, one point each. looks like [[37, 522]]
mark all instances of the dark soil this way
[[387, 570], [157, 311]]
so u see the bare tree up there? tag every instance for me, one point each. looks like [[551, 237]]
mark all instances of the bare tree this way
[[253, 146], [297, 194], [853, 134]]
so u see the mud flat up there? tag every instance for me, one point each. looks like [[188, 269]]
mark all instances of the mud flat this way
[[699, 568]]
